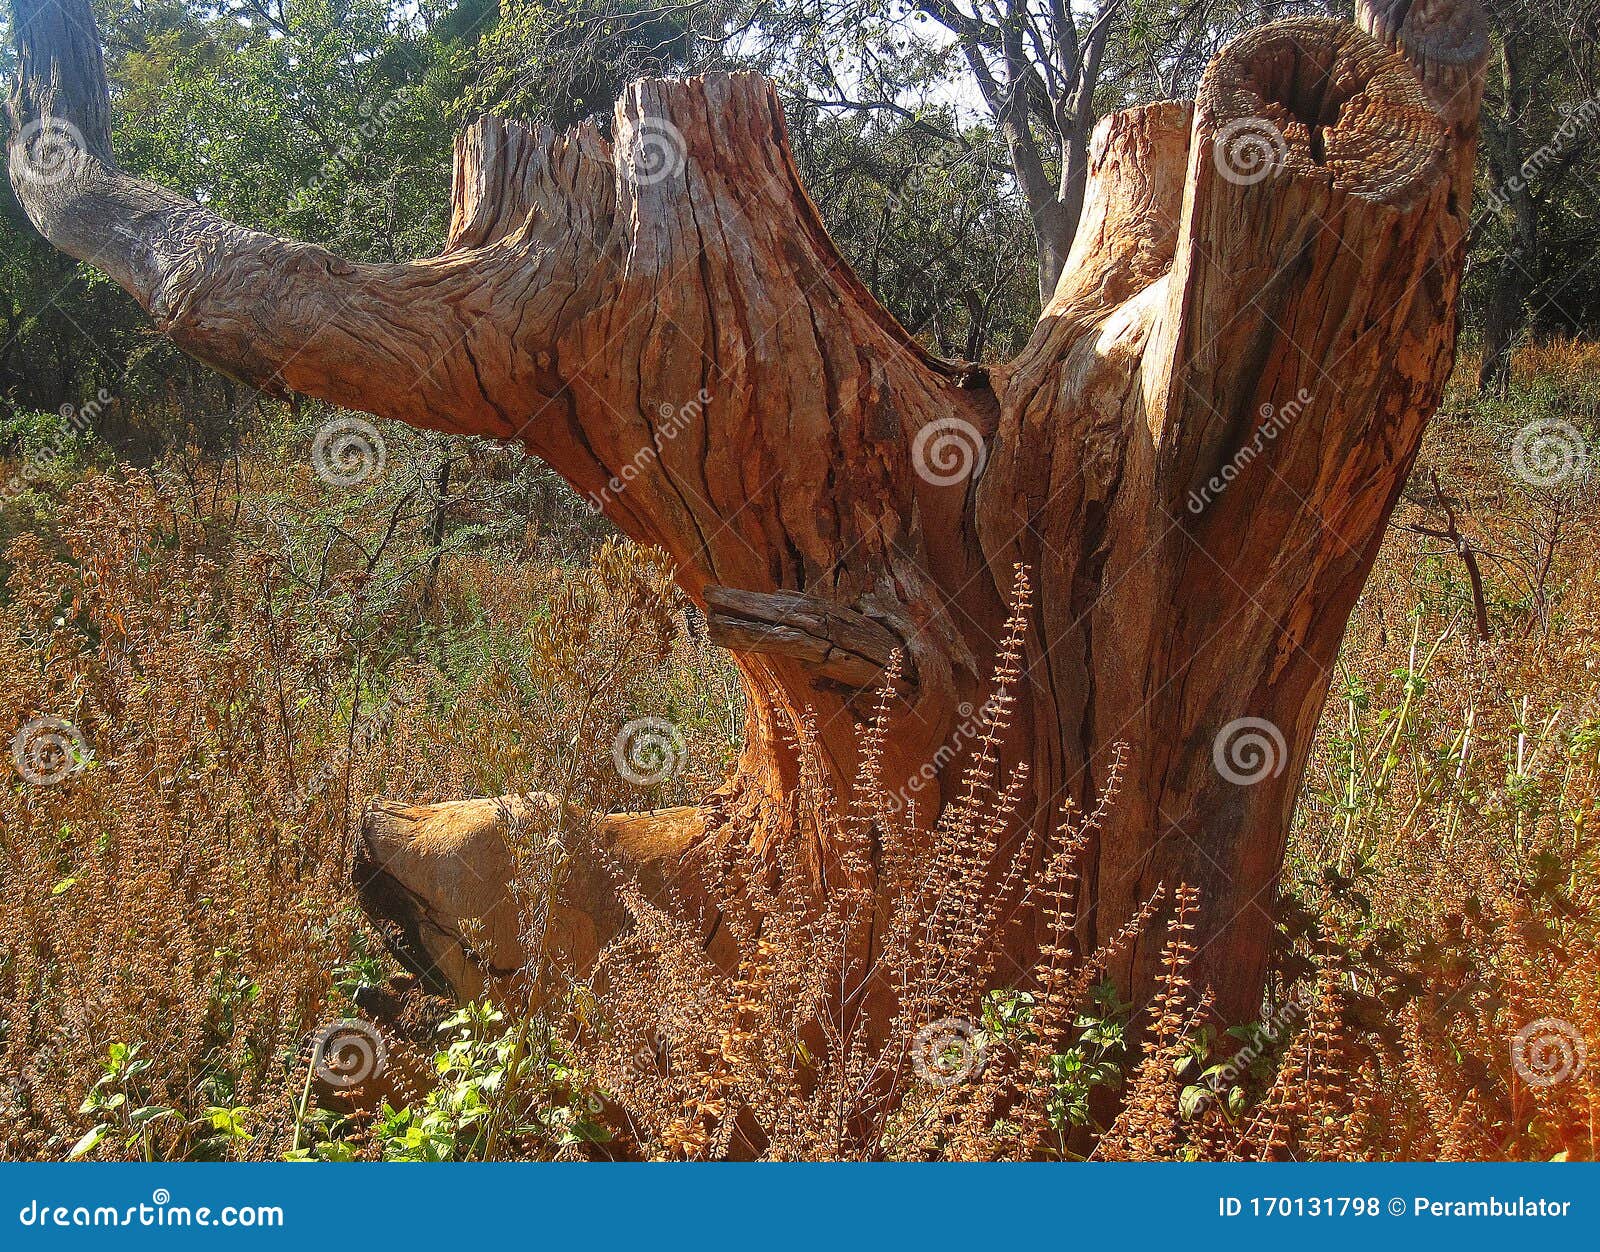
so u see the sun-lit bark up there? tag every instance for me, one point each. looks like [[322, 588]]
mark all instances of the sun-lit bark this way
[[1196, 453]]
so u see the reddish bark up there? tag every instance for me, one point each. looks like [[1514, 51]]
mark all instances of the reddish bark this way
[[1196, 454]]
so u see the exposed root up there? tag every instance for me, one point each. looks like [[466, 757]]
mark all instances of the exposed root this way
[[441, 879]]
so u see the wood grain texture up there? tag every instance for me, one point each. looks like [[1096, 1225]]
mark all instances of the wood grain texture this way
[[1196, 453], [836, 642]]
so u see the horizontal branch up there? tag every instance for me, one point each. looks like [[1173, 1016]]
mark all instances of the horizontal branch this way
[[838, 643], [418, 342]]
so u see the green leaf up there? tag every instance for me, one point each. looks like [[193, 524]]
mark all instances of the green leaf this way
[[88, 1143], [1192, 1100], [230, 1122]]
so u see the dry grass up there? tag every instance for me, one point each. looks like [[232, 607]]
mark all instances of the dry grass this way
[[845, 1034], [244, 657], [228, 702], [172, 892]]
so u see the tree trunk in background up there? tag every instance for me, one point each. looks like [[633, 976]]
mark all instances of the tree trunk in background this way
[[436, 522], [1504, 318], [1195, 455]]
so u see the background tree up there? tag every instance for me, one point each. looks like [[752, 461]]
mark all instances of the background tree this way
[[564, 61], [930, 225], [1042, 71], [1536, 235]]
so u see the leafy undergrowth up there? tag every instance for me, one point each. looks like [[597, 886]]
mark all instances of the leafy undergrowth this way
[[205, 684], [220, 661]]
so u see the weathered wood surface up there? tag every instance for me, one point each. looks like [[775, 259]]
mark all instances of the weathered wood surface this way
[[834, 641], [436, 876], [1262, 295]]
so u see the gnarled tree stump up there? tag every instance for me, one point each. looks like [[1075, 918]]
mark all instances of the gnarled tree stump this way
[[1196, 453]]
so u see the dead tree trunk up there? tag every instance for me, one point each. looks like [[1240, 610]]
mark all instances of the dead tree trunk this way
[[1195, 454]]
